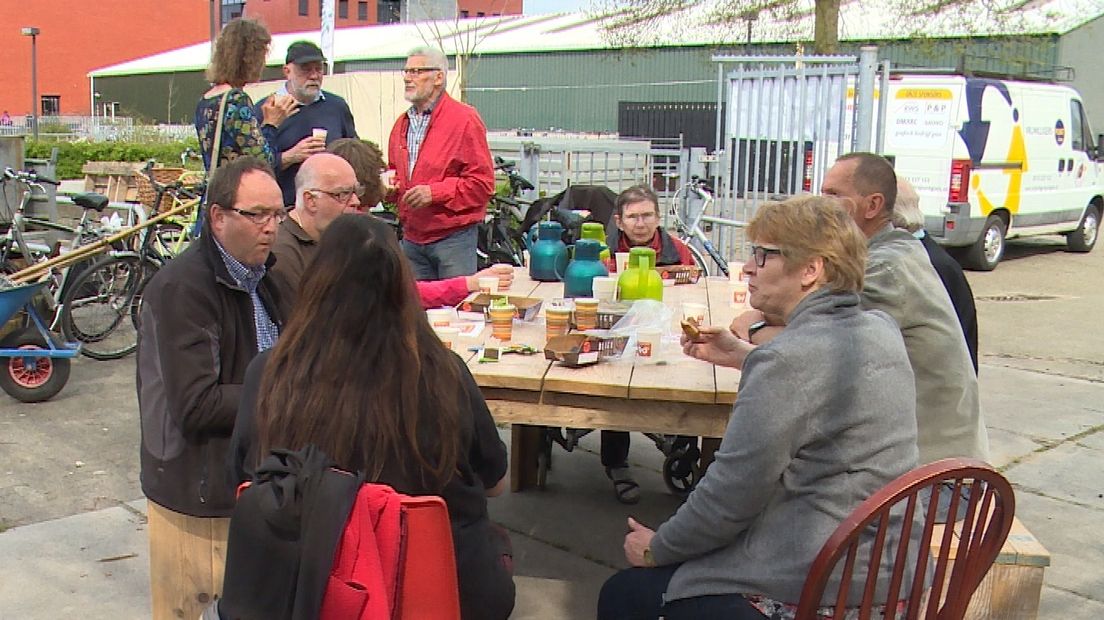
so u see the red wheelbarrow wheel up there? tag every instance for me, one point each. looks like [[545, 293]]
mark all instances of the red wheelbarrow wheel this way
[[31, 379]]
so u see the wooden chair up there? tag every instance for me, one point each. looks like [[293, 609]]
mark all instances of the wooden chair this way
[[981, 507]]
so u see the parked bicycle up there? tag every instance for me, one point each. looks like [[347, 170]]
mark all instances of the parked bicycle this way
[[173, 235], [691, 233], [500, 239], [79, 295]]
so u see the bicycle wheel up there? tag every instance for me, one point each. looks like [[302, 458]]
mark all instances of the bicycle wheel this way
[[98, 307]]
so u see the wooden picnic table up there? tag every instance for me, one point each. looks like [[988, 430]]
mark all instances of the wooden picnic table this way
[[678, 396]]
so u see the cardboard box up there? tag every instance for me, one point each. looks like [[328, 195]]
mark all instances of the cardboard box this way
[[584, 349], [680, 274], [477, 304]]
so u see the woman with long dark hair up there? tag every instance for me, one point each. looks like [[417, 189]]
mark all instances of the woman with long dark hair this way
[[359, 373]]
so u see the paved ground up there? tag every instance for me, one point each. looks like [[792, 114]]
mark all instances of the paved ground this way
[[75, 544]]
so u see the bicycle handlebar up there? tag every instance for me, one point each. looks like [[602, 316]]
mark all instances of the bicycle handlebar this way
[[26, 176]]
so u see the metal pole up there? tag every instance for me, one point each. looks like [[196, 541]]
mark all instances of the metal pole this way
[[211, 17], [883, 106], [864, 98], [34, 85]]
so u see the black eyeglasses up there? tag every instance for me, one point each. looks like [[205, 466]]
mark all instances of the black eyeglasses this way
[[260, 218], [342, 195], [760, 253], [412, 71]]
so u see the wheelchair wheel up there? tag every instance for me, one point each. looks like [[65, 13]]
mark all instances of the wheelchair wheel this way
[[681, 472]]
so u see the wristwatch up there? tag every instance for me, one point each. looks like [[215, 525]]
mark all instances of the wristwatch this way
[[649, 561], [754, 327]]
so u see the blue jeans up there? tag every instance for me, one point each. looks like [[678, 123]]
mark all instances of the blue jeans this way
[[637, 594], [446, 258]]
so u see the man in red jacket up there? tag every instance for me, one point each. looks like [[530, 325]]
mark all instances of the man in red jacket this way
[[443, 172]]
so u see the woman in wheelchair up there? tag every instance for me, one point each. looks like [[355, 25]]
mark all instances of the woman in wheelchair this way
[[825, 417]]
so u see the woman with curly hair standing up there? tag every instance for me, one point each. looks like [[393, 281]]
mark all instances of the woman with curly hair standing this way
[[239, 58]]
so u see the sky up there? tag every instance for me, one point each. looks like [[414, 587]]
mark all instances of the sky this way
[[533, 7]]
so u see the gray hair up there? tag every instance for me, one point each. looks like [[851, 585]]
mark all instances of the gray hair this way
[[906, 213], [434, 55]]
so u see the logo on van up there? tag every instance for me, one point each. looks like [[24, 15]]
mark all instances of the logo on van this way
[[1059, 132]]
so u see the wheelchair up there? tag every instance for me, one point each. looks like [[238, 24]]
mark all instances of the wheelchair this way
[[681, 470]]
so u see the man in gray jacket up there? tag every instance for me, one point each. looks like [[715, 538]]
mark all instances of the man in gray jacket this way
[[901, 281]]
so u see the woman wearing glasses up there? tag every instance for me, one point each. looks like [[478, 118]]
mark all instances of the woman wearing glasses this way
[[824, 418], [637, 225]]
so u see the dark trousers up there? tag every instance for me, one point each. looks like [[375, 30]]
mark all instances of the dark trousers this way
[[637, 594], [615, 448]]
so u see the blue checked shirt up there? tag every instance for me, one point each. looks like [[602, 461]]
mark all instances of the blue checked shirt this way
[[249, 278], [416, 132]]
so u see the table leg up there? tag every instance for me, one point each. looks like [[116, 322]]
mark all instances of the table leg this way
[[524, 445], [709, 445]]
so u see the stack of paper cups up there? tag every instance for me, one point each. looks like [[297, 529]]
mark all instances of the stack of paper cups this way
[[739, 288]]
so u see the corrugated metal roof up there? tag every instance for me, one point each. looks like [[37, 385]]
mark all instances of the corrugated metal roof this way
[[859, 20]]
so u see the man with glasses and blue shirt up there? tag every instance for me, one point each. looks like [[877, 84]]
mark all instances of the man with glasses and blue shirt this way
[[443, 171], [204, 316], [296, 140]]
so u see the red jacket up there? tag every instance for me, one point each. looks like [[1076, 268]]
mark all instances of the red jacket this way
[[454, 160], [363, 584]]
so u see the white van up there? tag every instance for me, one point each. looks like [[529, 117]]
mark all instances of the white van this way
[[993, 159]]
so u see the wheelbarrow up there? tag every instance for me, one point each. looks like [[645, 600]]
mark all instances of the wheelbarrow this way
[[35, 364]]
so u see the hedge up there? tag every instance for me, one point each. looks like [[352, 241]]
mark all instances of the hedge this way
[[73, 155]]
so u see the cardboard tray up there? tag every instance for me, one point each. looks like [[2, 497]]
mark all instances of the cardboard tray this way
[[584, 349], [477, 303], [680, 274]]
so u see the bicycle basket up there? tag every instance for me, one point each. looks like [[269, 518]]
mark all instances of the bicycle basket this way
[[146, 192]]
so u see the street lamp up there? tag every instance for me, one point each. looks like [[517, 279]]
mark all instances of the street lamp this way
[[33, 34]]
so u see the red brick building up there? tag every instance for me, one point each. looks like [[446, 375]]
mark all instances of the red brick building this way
[[80, 35]]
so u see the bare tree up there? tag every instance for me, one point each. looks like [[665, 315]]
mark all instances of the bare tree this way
[[459, 36], [638, 22]]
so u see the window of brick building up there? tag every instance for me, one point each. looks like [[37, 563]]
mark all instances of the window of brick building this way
[[362, 11], [387, 11], [304, 7], [343, 9]]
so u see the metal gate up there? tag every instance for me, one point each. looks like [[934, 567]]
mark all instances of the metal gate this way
[[786, 120]]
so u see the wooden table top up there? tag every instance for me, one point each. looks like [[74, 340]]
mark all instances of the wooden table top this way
[[677, 378]]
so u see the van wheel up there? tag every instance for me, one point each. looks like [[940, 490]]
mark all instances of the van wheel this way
[[1084, 238], [988, 250]]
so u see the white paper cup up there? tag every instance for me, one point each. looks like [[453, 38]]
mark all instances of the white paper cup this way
[[697, 311], [387, 177], [320, 132], [622, 259], [648, 340], [440, 317], [739, 288], [448, 336], [488, 285], [605, 288]]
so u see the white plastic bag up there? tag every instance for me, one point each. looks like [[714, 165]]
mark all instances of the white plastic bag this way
[[643, 313]]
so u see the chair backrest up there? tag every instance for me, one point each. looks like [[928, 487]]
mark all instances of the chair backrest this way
[[428, 586], [981, 508]]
